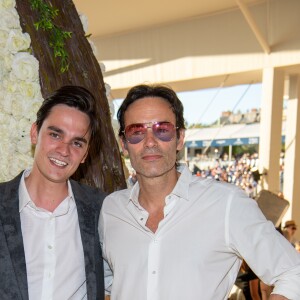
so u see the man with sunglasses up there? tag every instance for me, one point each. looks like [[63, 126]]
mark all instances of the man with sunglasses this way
[[176, 236]]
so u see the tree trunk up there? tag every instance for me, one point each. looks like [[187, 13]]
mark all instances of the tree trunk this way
[[104, 167]]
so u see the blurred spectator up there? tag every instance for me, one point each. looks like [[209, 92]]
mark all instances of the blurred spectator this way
[[289, 231], [237, 172], [131, 180], [248, 282], [297, 246], [265, 290]]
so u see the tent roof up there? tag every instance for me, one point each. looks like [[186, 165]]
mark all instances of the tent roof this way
[[115, 17], [236, 134], [223, 132]]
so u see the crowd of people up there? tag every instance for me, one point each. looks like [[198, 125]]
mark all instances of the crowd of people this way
[[242, 172]]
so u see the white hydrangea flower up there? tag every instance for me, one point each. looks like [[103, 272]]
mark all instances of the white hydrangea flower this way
[[3, 70], [102, 67], [32, 110], [24, 126], [9, 19], [25, 67], [107, 89], [115, 126], [111, 108], [7, 4], [4, 33], [4, 119], [24, 145], [6, 104], [11, 87], [14, 169], [94, 48], [12, 124], [84, 22], [30, 90], [17, 107], [20, 95], [17, 41]]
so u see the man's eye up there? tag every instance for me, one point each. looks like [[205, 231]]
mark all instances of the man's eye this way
[[78, 144], [162, 130], [137, 132], [54, 135]]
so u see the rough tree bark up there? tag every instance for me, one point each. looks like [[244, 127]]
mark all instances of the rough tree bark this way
[[104, 167]]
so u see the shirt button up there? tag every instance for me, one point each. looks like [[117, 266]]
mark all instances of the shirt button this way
[[49, 247], [153, 272], [141, 219]]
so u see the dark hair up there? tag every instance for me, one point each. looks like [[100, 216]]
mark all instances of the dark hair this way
[[141, 91], [72, 96]]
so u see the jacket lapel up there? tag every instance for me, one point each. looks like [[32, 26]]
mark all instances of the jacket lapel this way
[[12, 230], [86, 217]]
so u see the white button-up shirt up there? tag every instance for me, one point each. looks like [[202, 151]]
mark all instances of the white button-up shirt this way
[[197, 250], [53, 249]]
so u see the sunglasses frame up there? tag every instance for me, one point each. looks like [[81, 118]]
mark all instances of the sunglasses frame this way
[[150, 125]]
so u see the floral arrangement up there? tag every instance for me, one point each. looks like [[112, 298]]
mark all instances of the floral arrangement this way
[[20, 95]]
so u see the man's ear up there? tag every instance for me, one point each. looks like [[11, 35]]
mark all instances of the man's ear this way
[[34, 134], [124, 145], [85, 156], [180, 139]]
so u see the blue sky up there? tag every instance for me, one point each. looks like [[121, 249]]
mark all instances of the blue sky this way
[[206, 106]]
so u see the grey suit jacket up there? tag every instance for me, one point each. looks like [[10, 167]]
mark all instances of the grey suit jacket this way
[[13, 278]]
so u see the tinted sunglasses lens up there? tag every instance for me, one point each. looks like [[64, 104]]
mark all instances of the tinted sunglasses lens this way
[[135, 133], [164, 131]]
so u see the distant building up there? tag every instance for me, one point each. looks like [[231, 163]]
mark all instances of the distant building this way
[[249, 117]]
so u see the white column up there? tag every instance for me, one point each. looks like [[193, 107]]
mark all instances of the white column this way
[[291, 188], [270, 128]]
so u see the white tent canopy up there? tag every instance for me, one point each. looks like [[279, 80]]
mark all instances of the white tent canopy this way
[[236, 134]]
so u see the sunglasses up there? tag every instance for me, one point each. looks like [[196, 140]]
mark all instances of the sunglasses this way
[[164, 131]]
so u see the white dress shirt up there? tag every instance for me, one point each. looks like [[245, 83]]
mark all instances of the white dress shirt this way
[[53, 249], [197, 250]]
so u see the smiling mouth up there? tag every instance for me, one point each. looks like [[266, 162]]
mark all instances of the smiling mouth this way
[[58, 162]]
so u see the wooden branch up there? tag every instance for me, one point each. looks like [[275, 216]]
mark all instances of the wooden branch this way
[[104, 167]]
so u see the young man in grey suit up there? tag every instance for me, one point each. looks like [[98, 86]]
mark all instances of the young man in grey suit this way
[[49, 245]]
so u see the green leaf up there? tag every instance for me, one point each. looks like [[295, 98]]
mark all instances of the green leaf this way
[[57, 35]]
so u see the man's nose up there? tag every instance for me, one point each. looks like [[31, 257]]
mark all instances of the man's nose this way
[[150, 139], [64, 148]]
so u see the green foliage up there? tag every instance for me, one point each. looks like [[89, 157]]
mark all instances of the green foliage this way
[[240, 150], [57, 35], [198, 125]]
